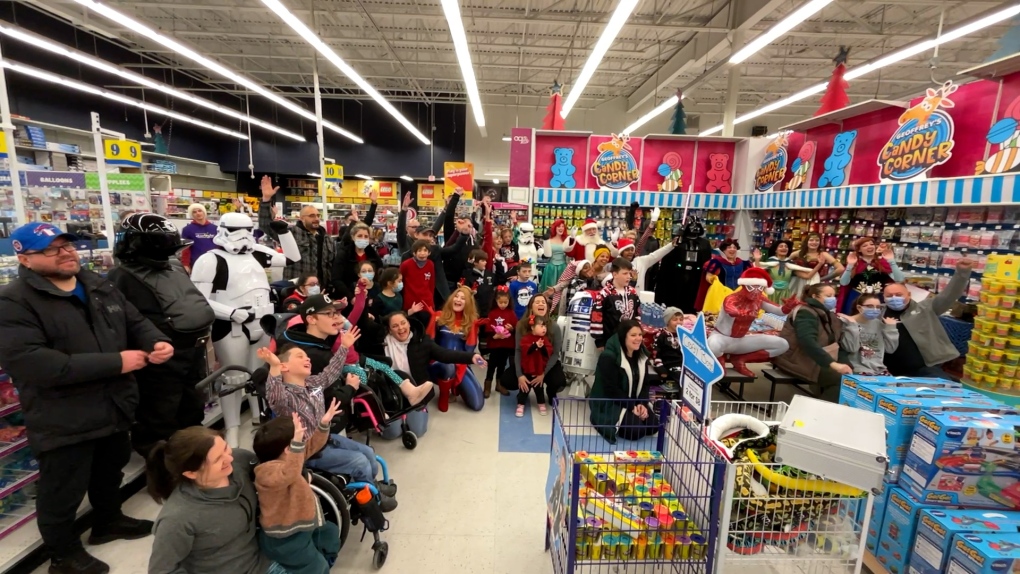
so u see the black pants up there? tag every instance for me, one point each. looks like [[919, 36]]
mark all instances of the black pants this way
[[498, 361], [633, 428], [66, 474], [168, 401], [522, 397], [555, 379]]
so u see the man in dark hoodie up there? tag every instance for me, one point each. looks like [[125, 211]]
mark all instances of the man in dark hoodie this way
[[461, 239]]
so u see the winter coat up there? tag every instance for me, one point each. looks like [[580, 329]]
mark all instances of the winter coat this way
[[808, 330], [318, 250], [615, 390], [422, 350]]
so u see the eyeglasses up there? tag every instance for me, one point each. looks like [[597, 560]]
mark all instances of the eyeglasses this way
[[53, 250], [872, 306], [328, 314], [311, 284]]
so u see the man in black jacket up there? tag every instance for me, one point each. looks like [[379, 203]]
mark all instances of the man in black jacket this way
[[70, 341], [461, 239]]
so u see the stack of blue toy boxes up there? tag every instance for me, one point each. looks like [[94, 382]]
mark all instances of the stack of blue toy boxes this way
[[937, 529], [984, 553]]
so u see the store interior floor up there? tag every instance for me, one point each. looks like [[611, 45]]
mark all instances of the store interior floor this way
[[472, 496]]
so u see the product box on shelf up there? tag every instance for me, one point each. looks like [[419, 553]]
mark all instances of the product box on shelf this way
[[937, 527], [850, 384], [869, 392], [877, 516], [967, 459], [985, 553], [899, 526]]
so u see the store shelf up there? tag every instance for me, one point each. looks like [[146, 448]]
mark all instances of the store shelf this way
[[209, 177], [177, 158], [692, 138], [872, 564], [12, 447], [49, 126], [9, 409], [848, 112], [33, 148], [995, 68], [28, 478]]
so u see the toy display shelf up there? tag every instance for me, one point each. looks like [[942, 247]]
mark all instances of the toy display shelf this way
[[872, 564], [596, 197], [1005, 398], [837, 116]]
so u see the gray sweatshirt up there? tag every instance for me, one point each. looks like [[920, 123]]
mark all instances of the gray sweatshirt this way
[[867, 343], [206, 531]]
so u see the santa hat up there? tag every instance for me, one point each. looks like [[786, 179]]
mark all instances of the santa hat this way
[[589, 223], [756, 276], [624, 243]]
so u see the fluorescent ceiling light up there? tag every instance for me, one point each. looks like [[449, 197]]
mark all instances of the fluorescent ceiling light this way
[[406, 178], [68, 82], [496, 181], [81, 57], [782, 27], [328, 53], [460, 44], [363, 176], [882, 62], [312, 174], [665, 105], [147, 32], [616, 22], [498, 174], [507, 138]]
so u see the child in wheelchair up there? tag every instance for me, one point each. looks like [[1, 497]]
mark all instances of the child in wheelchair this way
[[294, 532], [292, 389]]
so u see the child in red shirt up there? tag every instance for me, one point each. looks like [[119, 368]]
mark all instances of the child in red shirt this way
[[419, 275], [500, 324], [536, 349]]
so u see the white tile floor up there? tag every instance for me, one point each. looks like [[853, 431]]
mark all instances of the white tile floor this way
[[464, 506]]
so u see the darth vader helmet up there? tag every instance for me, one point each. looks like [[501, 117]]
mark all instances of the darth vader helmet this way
[[691, 229], [149, 236]]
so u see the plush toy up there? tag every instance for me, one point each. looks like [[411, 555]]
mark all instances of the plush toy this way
[[501, 331]]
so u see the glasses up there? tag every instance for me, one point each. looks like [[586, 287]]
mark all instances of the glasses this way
[[53, 250], [328, 314], [311, 284], [872, 306]]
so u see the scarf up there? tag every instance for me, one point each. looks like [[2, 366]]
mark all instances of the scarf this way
[[397, 352]]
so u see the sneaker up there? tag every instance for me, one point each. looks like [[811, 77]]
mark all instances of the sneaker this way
[[542, 410], [386, 488], [123, 528], [78, 562], [387, 503], [519, 413]]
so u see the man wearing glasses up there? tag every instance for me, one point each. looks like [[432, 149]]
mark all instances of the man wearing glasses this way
[[70, 341]]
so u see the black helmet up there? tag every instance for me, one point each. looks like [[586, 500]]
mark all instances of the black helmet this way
[[150, 236], [693, 228]]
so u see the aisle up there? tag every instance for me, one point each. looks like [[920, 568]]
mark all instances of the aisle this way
[[466, 504]]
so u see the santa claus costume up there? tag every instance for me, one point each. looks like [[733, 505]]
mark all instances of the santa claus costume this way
[[585, 243], [729, 341]]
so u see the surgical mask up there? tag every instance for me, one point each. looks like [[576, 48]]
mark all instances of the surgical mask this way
[[368, 276], [361, 243], [896, 303], [830, 303], [872, 314], [347, 325], [398, 287], [314, 290]]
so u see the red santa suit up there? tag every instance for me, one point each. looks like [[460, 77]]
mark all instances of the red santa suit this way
[[739, 310], [584, 244]]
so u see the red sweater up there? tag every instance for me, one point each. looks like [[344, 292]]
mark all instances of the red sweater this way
[[419, 284], [505, 317], [534, 357]]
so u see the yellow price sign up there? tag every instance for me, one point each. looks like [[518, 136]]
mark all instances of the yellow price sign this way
[[3, 144], [333, 172], [124, 153]]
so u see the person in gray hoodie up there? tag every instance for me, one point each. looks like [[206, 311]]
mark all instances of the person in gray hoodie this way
[[867, 336], [208, 522]]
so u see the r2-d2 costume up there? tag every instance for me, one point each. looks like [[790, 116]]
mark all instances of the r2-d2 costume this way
[[233, 279]]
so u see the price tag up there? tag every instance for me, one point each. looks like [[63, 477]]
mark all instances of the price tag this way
[[125, 153]]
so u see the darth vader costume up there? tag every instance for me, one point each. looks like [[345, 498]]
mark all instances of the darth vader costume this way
[[681, 269], [165, 295]]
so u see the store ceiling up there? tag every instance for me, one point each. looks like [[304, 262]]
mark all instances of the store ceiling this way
[[519, 47]]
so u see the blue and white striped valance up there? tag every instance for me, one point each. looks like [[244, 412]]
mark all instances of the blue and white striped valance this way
[[644, 198]]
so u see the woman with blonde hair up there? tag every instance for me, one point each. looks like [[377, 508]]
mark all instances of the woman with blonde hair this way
[[455, 327]]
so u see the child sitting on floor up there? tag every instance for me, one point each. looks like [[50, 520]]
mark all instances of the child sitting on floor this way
[[536, 349], [668, 356], [293, 532]]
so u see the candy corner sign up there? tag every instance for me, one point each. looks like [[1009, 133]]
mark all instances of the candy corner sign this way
[[123, 153], [615, 168], [923, 140], [773, 166]]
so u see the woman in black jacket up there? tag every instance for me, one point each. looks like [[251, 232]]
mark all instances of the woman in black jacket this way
[[411, 350], [620, 407], [352, 252]]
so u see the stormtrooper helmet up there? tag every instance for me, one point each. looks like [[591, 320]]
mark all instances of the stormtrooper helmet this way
[[234, 234], [527, 233], [149, 236]]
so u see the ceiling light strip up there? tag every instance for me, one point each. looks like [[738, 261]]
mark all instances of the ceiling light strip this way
[[67, 82], [612, 29], [451, 8], [796, 18], [42, 43], [665, 105], [137, 27], [298, 26], [882, 62]]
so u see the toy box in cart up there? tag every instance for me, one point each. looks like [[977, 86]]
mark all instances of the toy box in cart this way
[[967, 459], [868, 395], [985, 554], [850, 384], [937, 527]]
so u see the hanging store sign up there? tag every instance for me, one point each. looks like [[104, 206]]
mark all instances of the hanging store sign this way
[[923, 140], [1004, 143], [430, 195], [122, 153], [459, 174], [773, 166], [55, 179], [117, 181], [333, 172], [616, 167]]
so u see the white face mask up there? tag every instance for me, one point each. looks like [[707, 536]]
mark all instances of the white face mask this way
[[314, 290]]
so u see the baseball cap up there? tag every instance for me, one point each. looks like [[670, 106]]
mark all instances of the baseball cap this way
[[37, 236], [315, 304]]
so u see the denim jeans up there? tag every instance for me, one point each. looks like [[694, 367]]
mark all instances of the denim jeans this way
[[342, 455]]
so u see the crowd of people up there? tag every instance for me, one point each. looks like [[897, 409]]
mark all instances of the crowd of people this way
[[104, 366]]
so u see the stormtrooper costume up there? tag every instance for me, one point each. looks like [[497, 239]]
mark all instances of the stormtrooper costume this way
[[233, 280], [739, 310], [527, 249]]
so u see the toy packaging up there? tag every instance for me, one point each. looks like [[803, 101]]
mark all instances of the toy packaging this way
[[850, 384], [869, 393], [896, 539], [967, 459], [985, 553], [936, 529], [877, 516]]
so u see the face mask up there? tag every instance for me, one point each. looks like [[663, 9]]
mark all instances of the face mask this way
[[872, 314], [368, 276], [314, 290], [347, 325], [896, 303], [361, 243], [830, 303], [398, 287]]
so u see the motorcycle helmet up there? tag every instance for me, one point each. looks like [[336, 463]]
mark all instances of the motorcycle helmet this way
[[150, 236]]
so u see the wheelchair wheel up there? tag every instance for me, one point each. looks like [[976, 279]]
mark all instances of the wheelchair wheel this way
[[409, 439], [382, 550], [334, 505]]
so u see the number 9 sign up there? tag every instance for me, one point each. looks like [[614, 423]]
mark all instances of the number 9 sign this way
[[123, 153]]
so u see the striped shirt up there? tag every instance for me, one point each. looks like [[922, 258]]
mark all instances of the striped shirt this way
[[306, 401]]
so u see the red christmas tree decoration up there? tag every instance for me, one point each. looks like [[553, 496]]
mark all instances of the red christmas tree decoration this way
[[835, 97], [553, 120]]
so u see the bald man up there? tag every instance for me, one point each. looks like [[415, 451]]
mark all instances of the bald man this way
[[317, 248]]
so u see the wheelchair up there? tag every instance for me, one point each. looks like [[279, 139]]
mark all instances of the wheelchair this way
[[336, 493]]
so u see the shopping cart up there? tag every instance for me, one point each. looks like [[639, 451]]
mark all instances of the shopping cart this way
[[775, 521], [645, 506]]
